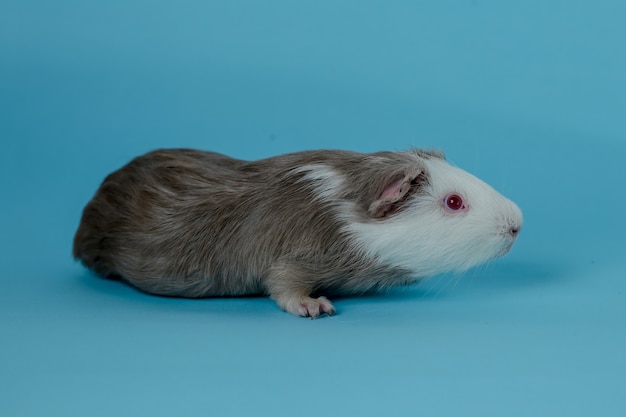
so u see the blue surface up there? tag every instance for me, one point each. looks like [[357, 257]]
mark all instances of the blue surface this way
[[530, 96]]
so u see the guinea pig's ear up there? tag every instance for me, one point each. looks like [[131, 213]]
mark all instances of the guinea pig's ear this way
[[394, 193]]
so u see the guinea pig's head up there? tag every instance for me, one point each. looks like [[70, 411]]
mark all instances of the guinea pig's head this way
[[440, 218]]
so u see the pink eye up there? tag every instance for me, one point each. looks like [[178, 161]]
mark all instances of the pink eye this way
[[454, 202]]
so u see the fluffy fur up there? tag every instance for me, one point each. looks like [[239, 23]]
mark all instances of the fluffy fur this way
[[295, 227]]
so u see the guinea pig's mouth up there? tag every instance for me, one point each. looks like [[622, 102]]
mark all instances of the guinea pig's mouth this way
[[505, 249]]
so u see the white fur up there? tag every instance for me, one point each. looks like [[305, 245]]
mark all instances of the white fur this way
[[326, 181], [428, 239]]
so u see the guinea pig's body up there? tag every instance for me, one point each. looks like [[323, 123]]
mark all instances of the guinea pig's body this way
[[295, 227]]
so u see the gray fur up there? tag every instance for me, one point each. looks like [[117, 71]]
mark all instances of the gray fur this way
[[188, 223]]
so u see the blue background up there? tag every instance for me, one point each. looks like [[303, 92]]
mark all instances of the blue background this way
[[530, 96]]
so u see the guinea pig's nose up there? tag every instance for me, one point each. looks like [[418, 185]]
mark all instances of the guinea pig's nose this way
[[514, 230]]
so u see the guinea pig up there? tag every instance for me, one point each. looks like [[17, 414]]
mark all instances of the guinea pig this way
[[295, 227]]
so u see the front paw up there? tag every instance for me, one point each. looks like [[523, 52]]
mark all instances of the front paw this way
[[307, 306]]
